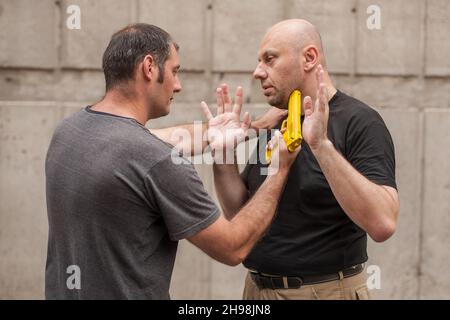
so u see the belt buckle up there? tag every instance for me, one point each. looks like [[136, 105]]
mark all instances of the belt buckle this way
[[256, 277], [300, 284], [263, 281], [272, 284], [353, 270]]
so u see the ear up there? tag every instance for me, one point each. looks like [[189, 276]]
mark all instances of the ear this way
[[310, 57], [148, 67]]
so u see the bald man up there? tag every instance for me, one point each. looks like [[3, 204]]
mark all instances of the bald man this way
[[341, 186]]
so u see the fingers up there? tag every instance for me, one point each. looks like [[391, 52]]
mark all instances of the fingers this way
[[238, 101], [319, 80], [226, 97], [308, 106], [246, 121], [220, 102], [283, 112], [274, 141], [322, 93], [319, 75], [322, 97], [206, 110], [224, 101], [281, 144]]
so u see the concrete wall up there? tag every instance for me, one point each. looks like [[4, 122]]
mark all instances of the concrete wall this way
[[48, 71]]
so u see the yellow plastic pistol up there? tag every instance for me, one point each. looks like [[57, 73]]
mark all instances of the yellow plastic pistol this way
[[293, 134]]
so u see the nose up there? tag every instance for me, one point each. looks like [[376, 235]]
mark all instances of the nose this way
[[259, 73], [177, 87]]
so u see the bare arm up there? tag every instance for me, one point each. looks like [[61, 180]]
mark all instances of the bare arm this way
[[231, 190], [230, 241], [187, 138], [372, 207]]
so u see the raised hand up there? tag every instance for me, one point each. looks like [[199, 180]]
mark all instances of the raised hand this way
[[314, 128], [225, 130]]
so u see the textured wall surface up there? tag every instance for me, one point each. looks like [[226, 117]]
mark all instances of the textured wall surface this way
[[48, 71]]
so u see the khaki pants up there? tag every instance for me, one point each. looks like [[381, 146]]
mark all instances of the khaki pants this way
[[351, 288]]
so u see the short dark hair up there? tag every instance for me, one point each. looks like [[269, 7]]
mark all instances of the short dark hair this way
[[129, 46]]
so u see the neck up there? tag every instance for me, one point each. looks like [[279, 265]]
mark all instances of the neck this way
[[122, 105], [312, 90]]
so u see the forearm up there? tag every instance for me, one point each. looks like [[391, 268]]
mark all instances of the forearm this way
[[367, 204], [187, 138], [230, 189], [252, 220]]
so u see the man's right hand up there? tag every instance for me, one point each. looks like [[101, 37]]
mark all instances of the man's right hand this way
[[231, 238], [282, 158]]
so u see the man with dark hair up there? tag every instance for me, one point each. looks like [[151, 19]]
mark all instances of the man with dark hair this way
[[129, 46], [118, 198]]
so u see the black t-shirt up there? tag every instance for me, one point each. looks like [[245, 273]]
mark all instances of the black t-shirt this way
[[311, 234]]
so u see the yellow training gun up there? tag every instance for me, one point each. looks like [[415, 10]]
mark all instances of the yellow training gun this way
[[293, 134]]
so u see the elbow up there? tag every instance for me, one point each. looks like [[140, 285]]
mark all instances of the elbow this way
[[383, 231], [234, 255], [233, 261], [384, 227], [235, 258]]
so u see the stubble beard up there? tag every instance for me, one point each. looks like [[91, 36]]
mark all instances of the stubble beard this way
[[277, 101]]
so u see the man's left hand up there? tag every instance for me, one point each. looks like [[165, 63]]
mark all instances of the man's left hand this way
[[225, 130], [314, 128]]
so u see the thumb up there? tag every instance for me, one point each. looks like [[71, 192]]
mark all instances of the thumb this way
[[274, 141], [307, 103]]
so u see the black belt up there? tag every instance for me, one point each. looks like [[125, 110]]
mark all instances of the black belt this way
[[264, 281]]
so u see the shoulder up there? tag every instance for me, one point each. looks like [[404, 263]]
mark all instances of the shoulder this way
[[355, 112], [122, 137], [140, 144]]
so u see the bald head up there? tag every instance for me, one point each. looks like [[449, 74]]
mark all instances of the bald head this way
[[288, 57], [297, 34]]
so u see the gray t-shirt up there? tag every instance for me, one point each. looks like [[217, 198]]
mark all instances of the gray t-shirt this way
[[117, 205]]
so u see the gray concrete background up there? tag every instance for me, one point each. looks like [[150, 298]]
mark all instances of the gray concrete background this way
[[403, 70]]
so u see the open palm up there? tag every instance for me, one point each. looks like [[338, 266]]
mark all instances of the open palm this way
[[314, 127], [225, 130]]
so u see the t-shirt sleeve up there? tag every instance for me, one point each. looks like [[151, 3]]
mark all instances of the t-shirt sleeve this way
[[370, 150], [179, 195]]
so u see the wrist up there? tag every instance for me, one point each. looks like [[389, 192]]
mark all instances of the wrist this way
[[323, 148], [279, 171], [225, 156]]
